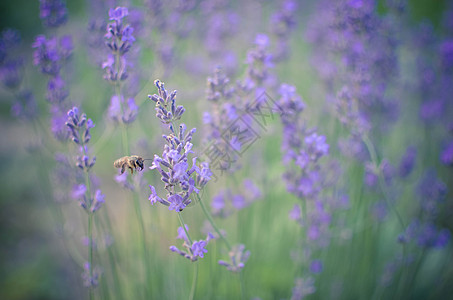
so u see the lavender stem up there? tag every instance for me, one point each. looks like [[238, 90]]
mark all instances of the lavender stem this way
[[181, 221], [208, 215], [372, 152], [195, 279]]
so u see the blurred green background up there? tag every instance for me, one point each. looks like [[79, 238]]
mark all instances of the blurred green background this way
[[41, 259]]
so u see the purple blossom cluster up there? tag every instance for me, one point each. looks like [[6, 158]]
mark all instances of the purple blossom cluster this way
[[303, 287], [222, 23], [310, 181], [53, 13], [90, 276], [194, 249], [238, 257], [356, 53], [226, 202], [282, 23], [79, 127], [178, 179], [119, 39], [302, 150], [259, 61], [170, 23], [50, 55], [12, 76], [220, 121], [433, 61], [370, 65]]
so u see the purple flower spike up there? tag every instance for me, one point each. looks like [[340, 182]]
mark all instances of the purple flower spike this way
[[118, 13], [198, 248], [176, 202], [238, 257], [316, 266], [98, 201], [446, 157], [53, 13], [182, 233], [173, 165], [153, 198]]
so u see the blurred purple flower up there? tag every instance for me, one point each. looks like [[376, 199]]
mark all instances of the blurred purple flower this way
[[198, 248], [53, 13], [303, 287], [316, 266], [408, 161], [182, 233], [446, 156], [238, 258]]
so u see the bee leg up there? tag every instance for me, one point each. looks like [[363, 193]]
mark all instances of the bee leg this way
[[123, 168], [132, 170]]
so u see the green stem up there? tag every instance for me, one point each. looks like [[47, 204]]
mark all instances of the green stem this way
[[125, 139], [181, 221], [241, 284], [208, 215], [304, 211], [90, 237], [381, 182], [374, 159], [90, 221], [111, 255], [142, 237], [194, 282]]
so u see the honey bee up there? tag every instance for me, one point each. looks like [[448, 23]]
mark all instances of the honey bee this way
[[132, 162]]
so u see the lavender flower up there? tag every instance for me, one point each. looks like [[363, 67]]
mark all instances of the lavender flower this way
[[182, 233], [259, 60], [90, 277], [446, 157], [119, 40], [407, 161], [238, 258], [316, 266], [129, 113], [46, 55], [296, 213], [425, 235], [166, 109], [53, 13], [49, 55], [119, 36], [282, 23], [226, 201], [358, 49], [177, 177], [25, 107], [11, 73], [303, 287], [11, 76], [80, 127], [193, 251], [198, 248]]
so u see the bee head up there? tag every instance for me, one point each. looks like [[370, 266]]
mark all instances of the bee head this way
[[140, 163]]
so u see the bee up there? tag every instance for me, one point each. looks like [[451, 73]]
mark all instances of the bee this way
[[132, 162]]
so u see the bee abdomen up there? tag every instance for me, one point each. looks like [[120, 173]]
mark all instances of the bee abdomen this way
[[117, 163]]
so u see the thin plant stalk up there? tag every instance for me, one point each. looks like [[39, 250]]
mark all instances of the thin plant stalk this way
[[209, 217], [125, 140], [90, 223], [181, 221], [195, 274], [194, 282], [373, 156], [241, 285]]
